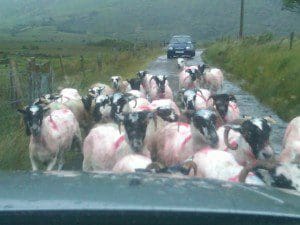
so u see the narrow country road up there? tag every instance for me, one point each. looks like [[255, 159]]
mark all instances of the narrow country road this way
[[248, 104]]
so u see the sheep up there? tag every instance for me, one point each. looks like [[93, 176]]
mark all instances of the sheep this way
[[165, 103], [115, 143], [119, 85], [276, 174], [76, 105], [138, 128], [67, 94], [226, 106], [180, 63], [131, 163], [103, 147], [159, 88], [178, 141], [217, 164], [102, 109], [247, 140], [196, 99], [212, 77], [188, 77], [125, 103], [82, 115], [136, 84], [50, 136], [105, 89], [145, 77], [291, 142]]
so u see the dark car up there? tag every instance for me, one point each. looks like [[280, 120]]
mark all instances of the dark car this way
[[181, 46]]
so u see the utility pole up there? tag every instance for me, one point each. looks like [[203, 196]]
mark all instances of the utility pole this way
[[241, 20]]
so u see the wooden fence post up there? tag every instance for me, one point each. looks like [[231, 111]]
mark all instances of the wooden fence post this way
[[16, 93], [291, 39], [99, 62], [62, 65], [82, 65], [241, 20]]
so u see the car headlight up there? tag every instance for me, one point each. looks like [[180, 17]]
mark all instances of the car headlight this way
[[188, 48], [170, 48]]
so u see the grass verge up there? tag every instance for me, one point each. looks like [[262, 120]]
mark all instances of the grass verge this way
[[265, 67]]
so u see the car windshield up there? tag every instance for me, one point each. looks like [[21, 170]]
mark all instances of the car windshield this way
[[148, 100], [181, 40]]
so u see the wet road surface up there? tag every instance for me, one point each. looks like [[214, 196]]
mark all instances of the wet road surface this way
[[248, 104]]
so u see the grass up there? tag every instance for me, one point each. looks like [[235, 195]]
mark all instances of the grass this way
[[118, 57], [264, 67]]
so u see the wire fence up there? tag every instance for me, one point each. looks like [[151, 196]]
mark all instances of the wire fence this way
[[20, 86]]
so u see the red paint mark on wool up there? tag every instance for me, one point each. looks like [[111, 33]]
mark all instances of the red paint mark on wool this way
[[234, 179], [65, 111], [53, 124], [183, 124], [185, 141], [206, 150], [145, 108], [118, 143]]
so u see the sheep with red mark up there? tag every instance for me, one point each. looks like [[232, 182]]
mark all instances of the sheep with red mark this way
[[216, 164], [212, 77], [247, 140], [78, 106], [291, 142], [115, 143], [196, 99], [159, 88], [178, 141], [145, 78], [226, 105], [188, 77], [119, 85], [50, 136], [103, 147]]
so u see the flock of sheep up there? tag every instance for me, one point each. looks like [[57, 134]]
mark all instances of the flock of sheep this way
[[138, 126]]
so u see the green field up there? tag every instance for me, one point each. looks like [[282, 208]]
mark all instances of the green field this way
[[119, 57], [264, 67]]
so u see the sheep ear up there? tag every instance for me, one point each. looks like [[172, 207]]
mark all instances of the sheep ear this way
[[86, 103]]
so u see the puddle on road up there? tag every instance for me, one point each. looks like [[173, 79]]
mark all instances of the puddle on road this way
[[248, 104]]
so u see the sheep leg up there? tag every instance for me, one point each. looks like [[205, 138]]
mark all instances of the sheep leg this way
[[78, 141], [52, 163], [33, 163], [61, 160]]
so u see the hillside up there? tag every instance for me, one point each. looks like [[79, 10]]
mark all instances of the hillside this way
[[90, 20]]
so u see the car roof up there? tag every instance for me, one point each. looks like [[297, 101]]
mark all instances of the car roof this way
[[181, 36]]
